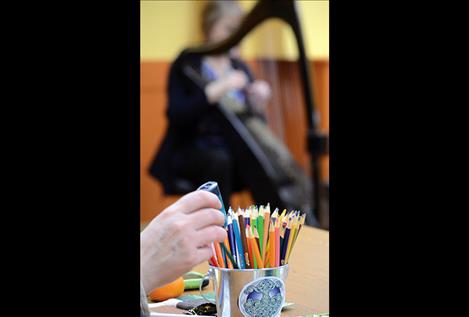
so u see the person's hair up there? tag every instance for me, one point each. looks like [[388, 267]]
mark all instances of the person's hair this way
[[216, 9]]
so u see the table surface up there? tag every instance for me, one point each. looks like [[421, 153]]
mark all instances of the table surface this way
[[307, 285]]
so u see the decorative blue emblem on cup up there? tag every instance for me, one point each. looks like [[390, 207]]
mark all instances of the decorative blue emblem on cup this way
[[263, 297]]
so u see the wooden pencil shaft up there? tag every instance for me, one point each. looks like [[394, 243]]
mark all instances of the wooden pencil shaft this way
[[284, 246], [228, 253], [242, 228], [257, 255]]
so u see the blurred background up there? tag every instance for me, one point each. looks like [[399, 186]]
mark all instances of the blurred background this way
[[167, 27]]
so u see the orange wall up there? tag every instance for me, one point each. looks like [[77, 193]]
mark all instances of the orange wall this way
[[153, 124]]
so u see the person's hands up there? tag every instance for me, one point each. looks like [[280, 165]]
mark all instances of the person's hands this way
[[235, 79], [259, 93], [179, 238]]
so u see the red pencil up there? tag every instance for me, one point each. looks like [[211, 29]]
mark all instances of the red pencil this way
[[212, 261]]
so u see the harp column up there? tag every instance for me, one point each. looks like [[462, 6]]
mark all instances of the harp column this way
[[316, 141]]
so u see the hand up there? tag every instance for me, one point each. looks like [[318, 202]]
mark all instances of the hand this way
[[235, 79], [215, 90], [259, 94], [180, 238]]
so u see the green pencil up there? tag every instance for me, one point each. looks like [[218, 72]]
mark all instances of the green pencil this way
[[260, 228], [253, 223]]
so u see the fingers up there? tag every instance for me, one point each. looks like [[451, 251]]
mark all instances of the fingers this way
[[240, 78], [210, 234], [260, 89], [203, 254], [206, 217], [196, 200]]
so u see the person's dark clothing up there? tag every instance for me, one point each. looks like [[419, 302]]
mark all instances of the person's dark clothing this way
[[194, 147]]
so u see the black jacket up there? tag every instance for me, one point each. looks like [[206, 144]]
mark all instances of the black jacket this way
[[188, 109]]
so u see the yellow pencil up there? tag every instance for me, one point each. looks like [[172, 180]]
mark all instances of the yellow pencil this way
[[282, 215], [290, 240], [299, 225], [267, 255]]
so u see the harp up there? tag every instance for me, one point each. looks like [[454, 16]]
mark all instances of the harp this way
[[275, 176]]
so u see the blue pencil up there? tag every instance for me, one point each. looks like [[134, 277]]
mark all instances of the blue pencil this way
[[247, 217], [284, 244], [239, 244], [231, 238]]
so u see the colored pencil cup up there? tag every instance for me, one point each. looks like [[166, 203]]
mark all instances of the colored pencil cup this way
[[249, 292]]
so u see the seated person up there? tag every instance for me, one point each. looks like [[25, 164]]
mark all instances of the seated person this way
[[195, 147]]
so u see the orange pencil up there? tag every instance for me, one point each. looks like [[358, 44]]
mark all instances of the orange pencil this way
[[257, 255], [221, 263], [253, 225], [250, 241], [255, 235]]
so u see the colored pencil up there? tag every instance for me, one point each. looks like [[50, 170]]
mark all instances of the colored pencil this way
[[254, 215], [212, 261], [285, 244], [251, 258], [282, 215], [228, 253], [260, 229], [272, 244], [231, 238], [266, 231], [214, 253], [247, 217], [257, 255], [299, 225], [290, 240], [257, 238], [242, 229], [274, 214], [277, 244], [221, 263], [239, 244], [227, 260]]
